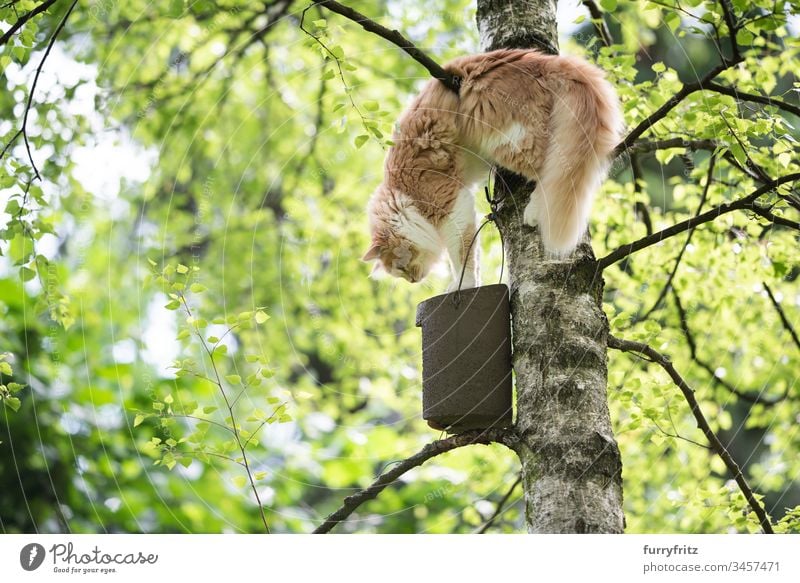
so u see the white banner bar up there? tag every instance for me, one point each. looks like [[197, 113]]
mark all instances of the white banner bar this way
[[407, 558]]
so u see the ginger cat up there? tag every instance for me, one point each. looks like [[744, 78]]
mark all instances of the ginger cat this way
[[552, 119]]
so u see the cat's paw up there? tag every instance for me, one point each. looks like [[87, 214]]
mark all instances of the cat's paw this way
[[529, 216]]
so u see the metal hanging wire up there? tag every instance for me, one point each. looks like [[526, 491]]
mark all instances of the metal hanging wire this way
[[490, 218]]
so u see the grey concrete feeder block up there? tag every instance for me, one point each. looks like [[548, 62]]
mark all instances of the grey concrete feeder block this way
[[466, 359]]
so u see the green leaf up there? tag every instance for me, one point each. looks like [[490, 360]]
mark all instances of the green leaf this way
[[13, 207], [197, 288], [233, 379], [26, 273], [609, 5], [261, 317], [182, 269], [738, 153], [175, 8], [138, 420], [12, 403], [173, 305], [371, 105], [361, 140], [672, 20], [5, 368], [239, 481]]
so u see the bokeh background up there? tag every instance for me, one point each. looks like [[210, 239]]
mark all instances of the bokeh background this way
[[212, 156]]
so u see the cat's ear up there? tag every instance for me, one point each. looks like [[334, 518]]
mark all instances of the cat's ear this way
[[372, 253], [378, 272]]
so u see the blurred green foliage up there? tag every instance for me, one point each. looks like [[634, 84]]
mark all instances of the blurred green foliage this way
[[261, 147]]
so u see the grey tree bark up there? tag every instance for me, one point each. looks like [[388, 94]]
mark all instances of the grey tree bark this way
[[571, 467]]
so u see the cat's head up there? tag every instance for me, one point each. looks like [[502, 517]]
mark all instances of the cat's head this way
[[404, 244], [400, 257]]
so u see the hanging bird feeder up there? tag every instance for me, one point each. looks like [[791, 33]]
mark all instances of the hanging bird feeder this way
[[466, 359]]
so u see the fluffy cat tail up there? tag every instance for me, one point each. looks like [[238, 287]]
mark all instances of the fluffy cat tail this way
[[585, 126]]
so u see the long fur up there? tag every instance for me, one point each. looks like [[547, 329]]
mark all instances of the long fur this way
[[584, 129], [552, 119]]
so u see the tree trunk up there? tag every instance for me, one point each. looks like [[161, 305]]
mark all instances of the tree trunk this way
[[571, 467]]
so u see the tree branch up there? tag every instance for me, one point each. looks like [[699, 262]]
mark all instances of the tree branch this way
[[772, 217], [702, 424], [665, 289], [749, 396], [652, 145], [708, 216], [784, 320], [599, 22], [351, 503], [24, 129], [671, 103], [733, 92], [730, 21], [500, 507], [449, 80], [756, 170], [25, 18]]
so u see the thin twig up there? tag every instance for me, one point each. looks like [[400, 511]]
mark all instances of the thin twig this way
[[500, 507], [749, 162], [784, 320], [748, 396], [204, 420], [448, 79], [23, 19], [733, 92], [198, 452], [640, 208], [264, 422], [703, 197], [236, 436], [24, 129], [336, 60], [702, 424], [772, 217], [599, 22], [671, 103], [745, 202], [689, 144], [676, 435], [351, 503], [733, 28]]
